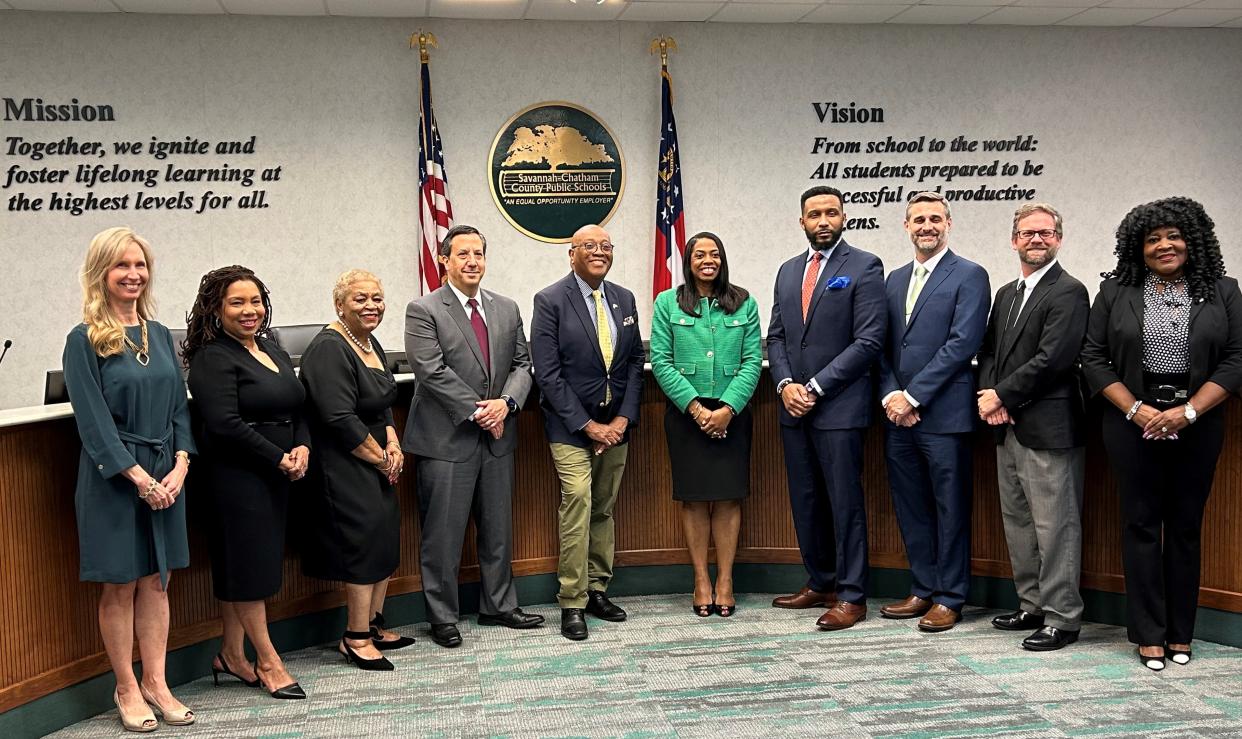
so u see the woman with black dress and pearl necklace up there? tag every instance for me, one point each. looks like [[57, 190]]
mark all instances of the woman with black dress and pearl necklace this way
[[354, 523]]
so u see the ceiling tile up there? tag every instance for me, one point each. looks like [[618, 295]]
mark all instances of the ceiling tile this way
[[583, 10], [1056, 3], [478, 9], [854, 13], [274, 7], [751, 12], [183, 7], [1192, 18], [1219, 4], [379, 8], [873, 2], [1110, 17], [1154, 4], [989, 3], [65, 6], [1012, 16], [680, 10], [940, 14]]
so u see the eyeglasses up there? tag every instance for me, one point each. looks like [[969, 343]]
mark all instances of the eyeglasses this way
[[1045, 234], [604, 247]]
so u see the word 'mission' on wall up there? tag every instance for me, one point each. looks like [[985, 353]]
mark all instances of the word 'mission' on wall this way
[[73, 175]]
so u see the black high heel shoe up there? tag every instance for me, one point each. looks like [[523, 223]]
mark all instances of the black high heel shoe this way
[[1155, 664], [703, 610], [224, 668], [362, 663], [377, 637], [1173, 655], [292, 691]]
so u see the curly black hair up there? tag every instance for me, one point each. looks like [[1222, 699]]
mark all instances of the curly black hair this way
[[202, 326], [1204, 264]]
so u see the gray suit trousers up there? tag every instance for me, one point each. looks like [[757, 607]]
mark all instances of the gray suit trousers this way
[[1041, 504], [448, 493]]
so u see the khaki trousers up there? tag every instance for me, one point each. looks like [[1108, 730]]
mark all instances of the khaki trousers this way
[[589, 485]]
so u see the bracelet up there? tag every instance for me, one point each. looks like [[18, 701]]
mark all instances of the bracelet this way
[[384, 461], [726, 405], [1134, 409], [183, 454], [151, 483]]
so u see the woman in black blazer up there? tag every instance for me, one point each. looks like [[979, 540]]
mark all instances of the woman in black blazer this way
[[1164, 346], [253, 444]]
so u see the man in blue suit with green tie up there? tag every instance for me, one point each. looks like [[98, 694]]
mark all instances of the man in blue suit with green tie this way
[[937, 318]]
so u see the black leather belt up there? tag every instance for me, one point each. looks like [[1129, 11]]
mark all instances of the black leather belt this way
[[1167, 394], [256, 424]]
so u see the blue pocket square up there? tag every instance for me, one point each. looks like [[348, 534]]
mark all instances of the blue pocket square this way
[[836, 283]]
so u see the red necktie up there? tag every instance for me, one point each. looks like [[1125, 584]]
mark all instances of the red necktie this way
[[480, 332], [808, 283]]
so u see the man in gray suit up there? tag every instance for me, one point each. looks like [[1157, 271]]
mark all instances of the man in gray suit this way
[[1030, 395], [472, 373]]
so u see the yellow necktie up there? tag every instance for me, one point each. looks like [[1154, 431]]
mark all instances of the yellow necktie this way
[[916, 287], [605, 339]]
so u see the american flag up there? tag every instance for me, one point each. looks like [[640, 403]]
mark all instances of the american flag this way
[[435, 212], [670, 237]]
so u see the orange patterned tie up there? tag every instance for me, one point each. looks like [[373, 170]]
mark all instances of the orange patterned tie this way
[[808, 283]]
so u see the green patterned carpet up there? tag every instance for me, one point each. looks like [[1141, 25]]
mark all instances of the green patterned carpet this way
[[763, 673]]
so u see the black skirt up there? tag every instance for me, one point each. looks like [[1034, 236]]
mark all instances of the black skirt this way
[[707, 469]]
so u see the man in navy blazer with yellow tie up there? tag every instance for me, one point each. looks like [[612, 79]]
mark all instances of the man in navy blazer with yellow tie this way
[[827, 331], [937, 318]]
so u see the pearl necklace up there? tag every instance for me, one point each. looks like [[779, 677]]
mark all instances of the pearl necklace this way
[[366, 348]]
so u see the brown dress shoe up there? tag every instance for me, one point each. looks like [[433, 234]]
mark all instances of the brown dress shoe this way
[[908, 608], [939, 618], [842, 616], [805, 598]]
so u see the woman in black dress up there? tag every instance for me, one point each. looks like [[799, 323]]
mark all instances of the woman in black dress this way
[[253, 444], [354, 524]]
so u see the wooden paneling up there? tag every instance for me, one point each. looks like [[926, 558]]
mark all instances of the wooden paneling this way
[[39, 576]]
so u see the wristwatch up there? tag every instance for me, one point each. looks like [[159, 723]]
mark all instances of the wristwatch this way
[[510, 403], [780, 386], [1192, 415]]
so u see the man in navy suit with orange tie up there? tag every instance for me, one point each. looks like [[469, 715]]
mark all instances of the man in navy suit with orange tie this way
[[826, 332], [937, 318]]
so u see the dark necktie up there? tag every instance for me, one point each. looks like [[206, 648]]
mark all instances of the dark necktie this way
[[480, 332], [1016, 309]]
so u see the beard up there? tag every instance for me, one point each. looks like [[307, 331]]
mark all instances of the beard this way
[[818, 245], [1033, 260]]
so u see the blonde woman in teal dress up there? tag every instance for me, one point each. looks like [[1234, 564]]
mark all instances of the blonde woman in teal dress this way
[[129, 403], [706, 354]]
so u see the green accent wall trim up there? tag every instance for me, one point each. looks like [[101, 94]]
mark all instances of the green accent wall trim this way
[[90, 697]]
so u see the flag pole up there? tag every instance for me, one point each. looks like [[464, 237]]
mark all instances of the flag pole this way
[[669, 211], [435, 211]]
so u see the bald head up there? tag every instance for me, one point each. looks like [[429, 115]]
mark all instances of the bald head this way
[[590, 254]]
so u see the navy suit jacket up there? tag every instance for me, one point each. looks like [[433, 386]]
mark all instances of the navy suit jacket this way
[[840, 340], [930, 356], [569, 367]]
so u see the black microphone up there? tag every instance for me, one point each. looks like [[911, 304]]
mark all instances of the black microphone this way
[[7, 344]]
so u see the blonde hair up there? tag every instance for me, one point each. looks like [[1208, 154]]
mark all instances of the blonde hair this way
[[346, 281], [106, 334]]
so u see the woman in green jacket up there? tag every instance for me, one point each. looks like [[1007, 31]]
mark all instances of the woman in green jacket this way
[[706, 355]]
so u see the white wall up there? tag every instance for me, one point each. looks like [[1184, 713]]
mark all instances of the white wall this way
[[1123, 116]]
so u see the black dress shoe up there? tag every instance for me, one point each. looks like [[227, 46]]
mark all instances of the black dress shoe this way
[[599, 606], [515, 619], [1018, 621], [573, 624], [446, 635], [1049, 639]]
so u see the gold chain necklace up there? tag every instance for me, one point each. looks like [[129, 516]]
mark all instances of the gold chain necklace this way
[[141, 353]]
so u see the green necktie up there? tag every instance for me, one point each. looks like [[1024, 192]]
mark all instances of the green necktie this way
[[916, 287], [605, 339]]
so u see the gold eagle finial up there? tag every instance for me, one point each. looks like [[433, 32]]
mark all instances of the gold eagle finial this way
[[423, 39], [663, 45]]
